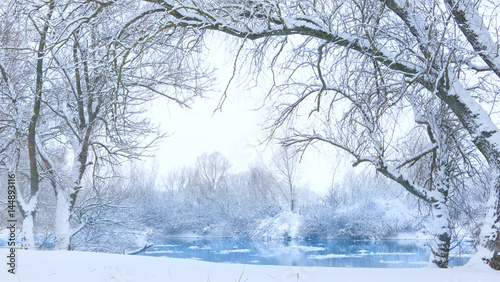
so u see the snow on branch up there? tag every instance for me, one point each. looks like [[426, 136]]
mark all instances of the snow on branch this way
[[418, 156], [380, 164], [6, 78], [393, 173], [187, 16], [412, 20], [471, 24], [143, 249], [307, 140]]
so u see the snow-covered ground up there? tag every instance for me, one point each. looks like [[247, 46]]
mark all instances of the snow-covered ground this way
[[64, 266]]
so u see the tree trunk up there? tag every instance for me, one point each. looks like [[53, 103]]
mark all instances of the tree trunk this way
[[441, 244], [28, 211], [490, 231], [63, 233], [28, 234]]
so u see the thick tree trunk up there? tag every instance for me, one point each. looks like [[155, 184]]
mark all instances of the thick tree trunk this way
[[62, 225], [490, 231], [441, 244], [28, 211], [28, 233], [65, 202], [440, 185]]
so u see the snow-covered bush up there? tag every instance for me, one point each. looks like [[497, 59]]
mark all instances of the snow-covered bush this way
[[360, 208], [372, 219], [283, 226]]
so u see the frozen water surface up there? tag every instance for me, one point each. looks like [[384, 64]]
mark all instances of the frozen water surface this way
[[317, 252]]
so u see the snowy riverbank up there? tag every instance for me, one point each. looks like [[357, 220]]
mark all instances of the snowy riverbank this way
[[55, 266]]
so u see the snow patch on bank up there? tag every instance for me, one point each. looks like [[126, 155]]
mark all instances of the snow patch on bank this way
[[308, 249], [226, 252], [284, 225], [331, 256]]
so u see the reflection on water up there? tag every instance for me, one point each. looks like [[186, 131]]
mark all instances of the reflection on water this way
[[317, 252]]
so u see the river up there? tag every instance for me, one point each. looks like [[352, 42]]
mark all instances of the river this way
[[313, 252]]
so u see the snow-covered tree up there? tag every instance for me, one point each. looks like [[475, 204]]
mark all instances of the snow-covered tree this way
[[212, 170], [94, 69], [22, 91], [287, 174]]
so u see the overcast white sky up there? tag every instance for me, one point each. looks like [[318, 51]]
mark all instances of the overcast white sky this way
[[235, 132]]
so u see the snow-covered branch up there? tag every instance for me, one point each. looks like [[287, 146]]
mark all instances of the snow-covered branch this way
[[472, 26], [417, 156]]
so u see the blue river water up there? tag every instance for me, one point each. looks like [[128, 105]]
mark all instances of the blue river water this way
[[316, 252], [312, 252]]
